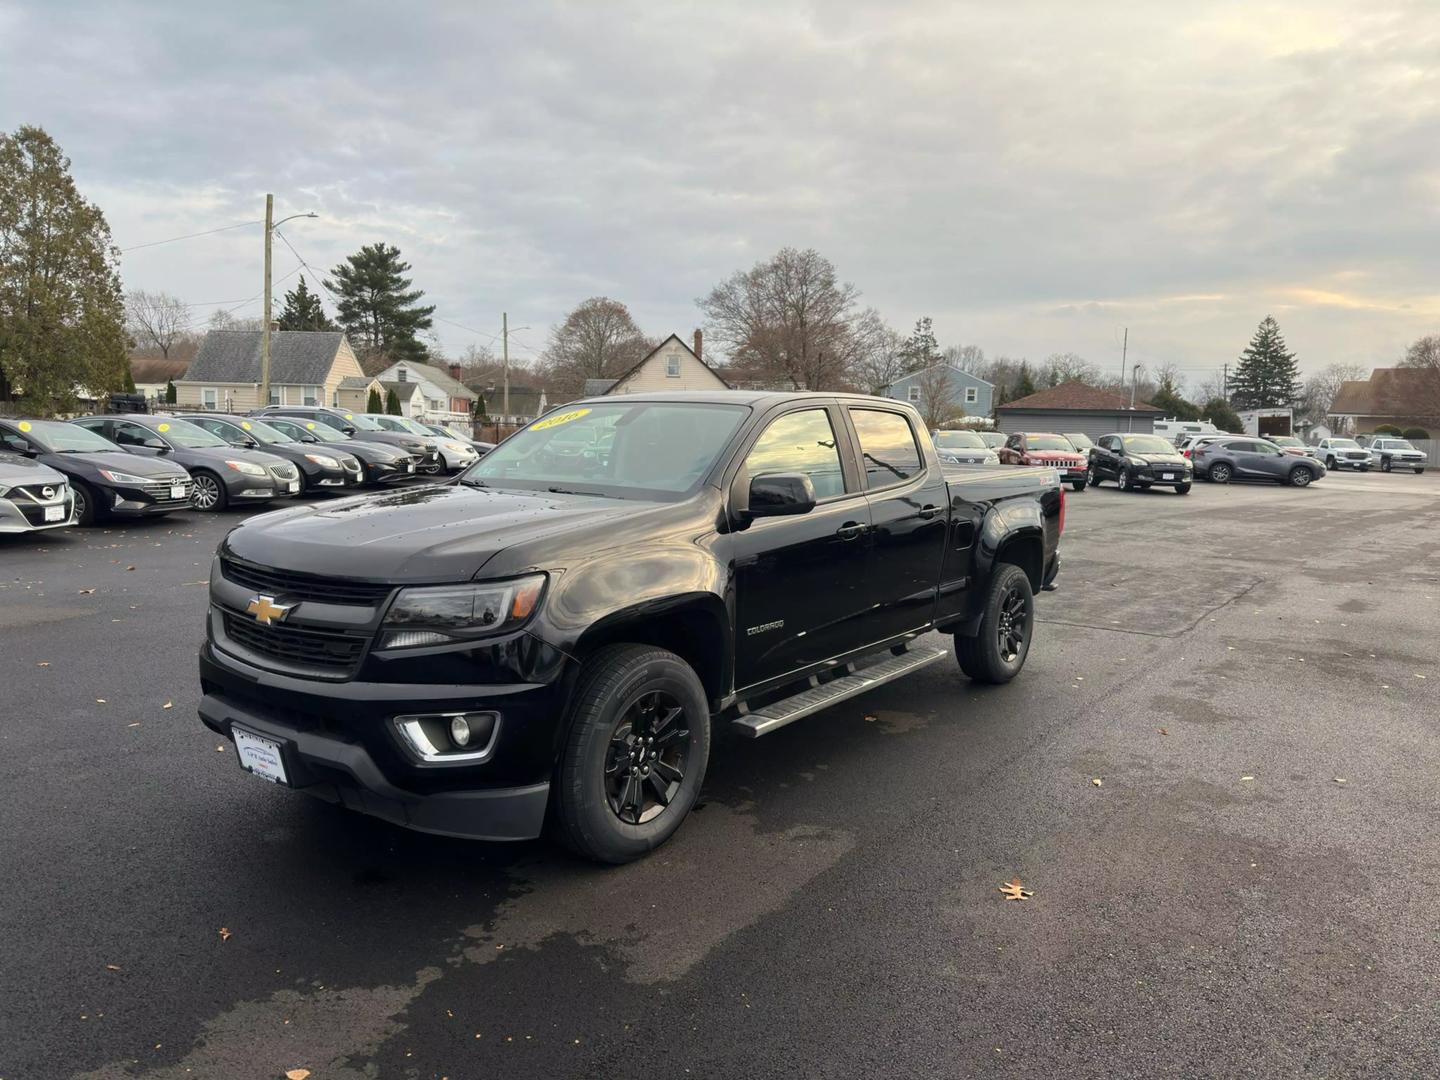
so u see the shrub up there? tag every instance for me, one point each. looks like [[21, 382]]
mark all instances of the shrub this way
[[1416, 433], [1387, 429]]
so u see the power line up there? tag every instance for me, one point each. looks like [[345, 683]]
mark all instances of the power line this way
[[189, 236]]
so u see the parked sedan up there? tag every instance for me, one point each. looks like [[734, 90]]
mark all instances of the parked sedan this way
[[1137, 462], [963, 448], [480, 448], [33, 496], [1391, 453], [379, 463], [1291, 445], [1047, 449], [1342, 454], [1242, 458], [222, 473], [319, 470], [454, 454], [362, 428], [103, 478]]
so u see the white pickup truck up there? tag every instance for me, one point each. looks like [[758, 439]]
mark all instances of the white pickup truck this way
[[1341, 454], [1391, 453]]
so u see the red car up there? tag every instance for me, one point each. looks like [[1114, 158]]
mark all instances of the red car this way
[[1047, 449]]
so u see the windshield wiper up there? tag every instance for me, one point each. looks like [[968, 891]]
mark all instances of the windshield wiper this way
[[569, 491]]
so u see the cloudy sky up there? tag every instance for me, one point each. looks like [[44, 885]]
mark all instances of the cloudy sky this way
[[1035, 176]]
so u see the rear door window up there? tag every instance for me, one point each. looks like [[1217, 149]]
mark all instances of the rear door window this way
[[888, 449]]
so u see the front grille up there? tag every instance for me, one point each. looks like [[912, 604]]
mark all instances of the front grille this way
[[160, 492], [35, 493], [325, 649], [284, 471], [301, 587]]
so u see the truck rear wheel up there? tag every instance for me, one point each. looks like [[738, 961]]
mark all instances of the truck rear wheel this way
[[635, 757], [997, 653]]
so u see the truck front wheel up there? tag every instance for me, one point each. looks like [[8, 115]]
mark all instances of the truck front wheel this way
[[997, 653], [635, 757]]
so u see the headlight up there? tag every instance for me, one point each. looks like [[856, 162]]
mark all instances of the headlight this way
[[130, 478], [245, 467], [450, 613], [323, 460], [456, 448]]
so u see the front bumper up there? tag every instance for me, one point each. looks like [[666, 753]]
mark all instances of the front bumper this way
[[130, 501], [21, 513]]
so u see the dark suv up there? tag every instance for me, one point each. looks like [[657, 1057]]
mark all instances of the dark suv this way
[[358, 426], [1139, 462], [1243, 458]]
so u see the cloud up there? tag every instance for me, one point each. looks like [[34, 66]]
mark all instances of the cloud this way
[[1034, 176]]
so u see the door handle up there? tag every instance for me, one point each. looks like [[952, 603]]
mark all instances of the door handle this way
[[929, 510], [850, 530]]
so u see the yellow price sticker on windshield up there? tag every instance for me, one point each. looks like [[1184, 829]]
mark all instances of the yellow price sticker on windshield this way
[[348, 416], [557, 420], [162, 427], [245, 424], [24, 425], [311, 425]]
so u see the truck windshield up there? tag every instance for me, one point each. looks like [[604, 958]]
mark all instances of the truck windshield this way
[[959, 440], [1344, 444], [630, 450], [1398, 444]]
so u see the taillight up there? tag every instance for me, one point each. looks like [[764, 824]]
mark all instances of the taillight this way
[[1185, 452], [1061, 530]]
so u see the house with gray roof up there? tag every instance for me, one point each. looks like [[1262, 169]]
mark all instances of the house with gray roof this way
[[307, 367], [444, 399], [965, 395]]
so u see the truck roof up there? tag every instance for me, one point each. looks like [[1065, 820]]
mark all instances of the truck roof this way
[[733, 397]]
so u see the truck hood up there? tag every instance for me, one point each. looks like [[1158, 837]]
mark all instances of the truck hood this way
[[420, 534]]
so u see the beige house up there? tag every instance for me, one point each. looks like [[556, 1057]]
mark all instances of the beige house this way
[[671, 365], [306, 368], [353, 393], [409, 394]]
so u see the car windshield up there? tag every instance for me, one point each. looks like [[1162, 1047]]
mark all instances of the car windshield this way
[[60, 438], [959, 440], [632, 450], [1285, 440], [361, 423], [1047, 442], [404, 423], [1147, 444], [1080, 442], [313, 428], [1344, 444], [183, 433], [263, 433]]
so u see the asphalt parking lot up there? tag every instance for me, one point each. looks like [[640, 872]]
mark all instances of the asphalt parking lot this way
[[1252, 674]]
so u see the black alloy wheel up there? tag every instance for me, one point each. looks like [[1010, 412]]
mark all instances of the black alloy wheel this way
[[1092, 478], [997, 651], [1013, 624], [649, 753], [1220, 472]]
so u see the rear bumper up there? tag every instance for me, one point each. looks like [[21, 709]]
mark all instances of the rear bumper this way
[[344, 773]]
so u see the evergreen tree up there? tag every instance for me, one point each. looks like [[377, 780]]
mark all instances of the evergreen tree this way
[[478, 411], [1167, 397], [1024, 383], [62, 316], [921, 350], [392, 402], [1268, 376], [377, 307], [303, 310], [373, 403], [1218, 412], [170, 393], [129, 379]]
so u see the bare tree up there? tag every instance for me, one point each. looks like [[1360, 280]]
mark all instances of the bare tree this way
[[1321, 389], [597, 340], [156, 320], [937, 394], [879, 352], [1068, 366], [968, 358], [223, 320], [1210, 387], [1424, 354], [787, 319]]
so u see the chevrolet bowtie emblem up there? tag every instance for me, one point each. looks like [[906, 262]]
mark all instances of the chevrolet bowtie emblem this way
[[267, 611]]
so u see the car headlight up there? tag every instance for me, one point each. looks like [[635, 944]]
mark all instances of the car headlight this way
[[246, 467], [325, 461], [130, 478], [451, 613], [456, 448]]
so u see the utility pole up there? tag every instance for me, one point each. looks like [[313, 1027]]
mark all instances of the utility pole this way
[[265, 328], [1225, 382], [1124, 349], [505, 362]]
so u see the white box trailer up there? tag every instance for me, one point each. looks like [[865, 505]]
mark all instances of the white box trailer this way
[[1267, 422]]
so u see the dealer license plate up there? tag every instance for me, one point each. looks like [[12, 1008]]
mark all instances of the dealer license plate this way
[[177, 491], [293, 486], [1167, 476], [259, 755], [54, 513], [409, 468]]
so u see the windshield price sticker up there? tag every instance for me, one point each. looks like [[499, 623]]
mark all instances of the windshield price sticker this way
[[24, 425], [556, 421], [245, 424], [162, 427], [310, 426]]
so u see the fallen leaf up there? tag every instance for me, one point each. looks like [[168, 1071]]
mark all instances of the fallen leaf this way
[[136, 724], [129, 568], [1247, 778], [1419, 676], [1014, 891], [1162, 731], [869, 719], [43, 663], [168, 705], [220, 749], [224, 933], [297, 1074], [1339, 779], [112, 967], [1098, 782], [99, 701], [86, 592]]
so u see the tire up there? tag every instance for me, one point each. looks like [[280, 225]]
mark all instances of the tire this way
[[1182, 489], [1221, 472], [1301, 477], [1385, 464], [208, 495], [86, 508], [1092, 476], [982, 657], [1330, 463], [621, 688], [1420, 470], [1079, 485], [1123, 481]]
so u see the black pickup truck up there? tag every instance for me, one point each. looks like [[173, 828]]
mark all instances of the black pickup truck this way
[[551, 636]]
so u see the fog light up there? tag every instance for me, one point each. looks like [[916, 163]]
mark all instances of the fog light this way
[[460, 730]]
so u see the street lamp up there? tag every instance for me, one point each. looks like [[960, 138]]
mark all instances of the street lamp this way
[[505, 363], [270, 226]]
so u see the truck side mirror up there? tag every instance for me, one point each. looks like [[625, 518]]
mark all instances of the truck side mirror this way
[[780, 495]]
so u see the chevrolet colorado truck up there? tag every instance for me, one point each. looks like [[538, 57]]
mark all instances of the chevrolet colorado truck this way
[[550, 639]]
